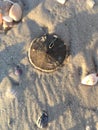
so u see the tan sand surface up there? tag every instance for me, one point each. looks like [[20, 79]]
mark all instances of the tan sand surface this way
[[70, 105]]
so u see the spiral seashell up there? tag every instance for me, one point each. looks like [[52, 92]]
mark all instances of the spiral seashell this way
[[90, 79], [15, 12]]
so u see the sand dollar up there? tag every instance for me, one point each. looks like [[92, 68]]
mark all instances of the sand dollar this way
[[15, 12], [47, 53]]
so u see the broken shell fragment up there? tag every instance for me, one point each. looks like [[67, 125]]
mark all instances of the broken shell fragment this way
[[1, 19], [90, 79], [5, 6], [11, 93], [9, 1], [90, 3], [7, 19], [15, 12], [61, 1], [7, 25]]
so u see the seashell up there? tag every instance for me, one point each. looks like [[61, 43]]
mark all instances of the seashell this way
[[15, 12], [42, 120], [1, 21], [18, 70], [90, 3], [5, 6], [90, 79], [61, 1], [7, 19], [96, 125], [88, 127]]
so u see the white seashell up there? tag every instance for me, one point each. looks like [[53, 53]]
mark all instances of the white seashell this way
[[90, 3], [7, 19], [90, 79], [61, 1], [15, 12]]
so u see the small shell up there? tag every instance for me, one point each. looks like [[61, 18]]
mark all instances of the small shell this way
[[42, 120], [90, 3], [7, 19], [90, 79], [15, 12], [61, 1], [11, 93], [88, 128], [7, 25]]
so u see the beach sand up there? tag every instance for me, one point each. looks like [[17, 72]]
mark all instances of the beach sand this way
[[70, 105]]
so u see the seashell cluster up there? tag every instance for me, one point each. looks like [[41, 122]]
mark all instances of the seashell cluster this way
[[10, 12], [90, 79]]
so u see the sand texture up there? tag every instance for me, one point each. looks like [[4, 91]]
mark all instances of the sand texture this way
[[70, 105]]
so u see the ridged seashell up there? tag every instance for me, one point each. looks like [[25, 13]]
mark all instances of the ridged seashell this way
[[15, 12], [1, 19], [42, 120], [61, 1], [7, 19], [90, 79]]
